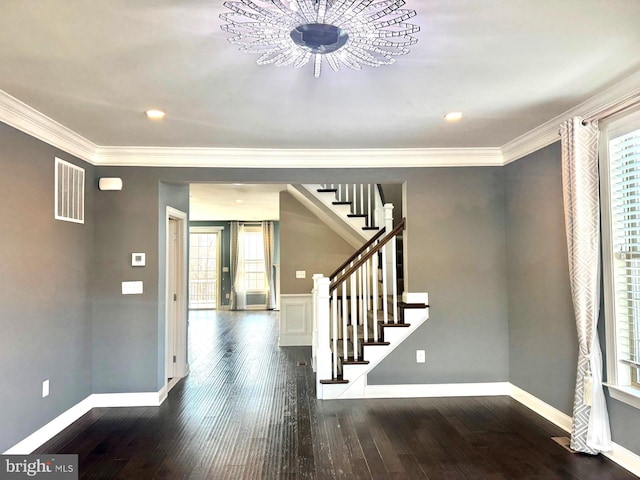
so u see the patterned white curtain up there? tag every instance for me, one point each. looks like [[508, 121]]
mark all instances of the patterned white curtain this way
[[268, 240], [591, 433], [235, 256]]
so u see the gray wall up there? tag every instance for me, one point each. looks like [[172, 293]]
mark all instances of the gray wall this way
[[44, 300], [542, 336], [542, 333], [175, 196], [126, 327], [307, 244], [456, 248], [473, 235], [393, 194]]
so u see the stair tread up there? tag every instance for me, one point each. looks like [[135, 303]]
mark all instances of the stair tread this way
[[357, 215], [340, 203], [370, 228], [354, 362], [327, 190], [412, 305], [334, 380]]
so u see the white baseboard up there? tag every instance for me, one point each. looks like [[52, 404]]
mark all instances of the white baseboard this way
[[140, 399], [62, 421], [51, 429], [625, 458], [438, 390], [618, 454], [543, 409]]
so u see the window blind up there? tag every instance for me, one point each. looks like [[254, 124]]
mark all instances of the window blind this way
[[624, 152]]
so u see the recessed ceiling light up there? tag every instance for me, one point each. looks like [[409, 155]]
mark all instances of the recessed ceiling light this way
[[453, 116], [155, 114], [239, 201]]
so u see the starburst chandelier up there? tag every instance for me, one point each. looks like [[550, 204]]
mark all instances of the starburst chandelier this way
[[352, 33]]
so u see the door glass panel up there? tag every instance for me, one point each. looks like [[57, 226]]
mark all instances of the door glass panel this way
[[203, 270]]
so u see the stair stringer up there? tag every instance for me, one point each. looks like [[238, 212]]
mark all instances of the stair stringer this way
[[335, 216], [374, 354]]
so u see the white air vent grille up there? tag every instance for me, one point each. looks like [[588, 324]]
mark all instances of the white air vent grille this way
[[69, 192]]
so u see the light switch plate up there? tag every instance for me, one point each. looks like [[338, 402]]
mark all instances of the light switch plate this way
[[301, 274], [420, 356], [132, 288]]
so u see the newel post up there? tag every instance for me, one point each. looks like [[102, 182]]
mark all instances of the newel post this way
[[314, 333], [322, 334], [391, 260], [388, 217]]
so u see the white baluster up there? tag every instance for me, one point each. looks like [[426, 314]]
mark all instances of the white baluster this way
[[374, 296], [334, 332], [354, 314], [385, 307], [394, 279], [370, 206], [345, 334], [365, 301], [355, 196], [361, 199]]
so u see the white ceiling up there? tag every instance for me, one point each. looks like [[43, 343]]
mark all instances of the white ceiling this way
[[95, 66], [212, 201]]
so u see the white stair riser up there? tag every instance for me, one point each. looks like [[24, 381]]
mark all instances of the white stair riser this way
[[342, 211], [374, 354], [415, 297]]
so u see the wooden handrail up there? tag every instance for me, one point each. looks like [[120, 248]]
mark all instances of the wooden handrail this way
[[368, 255], [357, 252]]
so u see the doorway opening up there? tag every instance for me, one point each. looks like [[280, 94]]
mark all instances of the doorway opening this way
[[204, 267], [176, 365]]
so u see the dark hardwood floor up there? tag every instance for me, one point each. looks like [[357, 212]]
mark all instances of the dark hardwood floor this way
[[248, 411]]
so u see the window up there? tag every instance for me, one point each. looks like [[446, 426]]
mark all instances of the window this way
[[204, 248], [253, 245], [620, 172]]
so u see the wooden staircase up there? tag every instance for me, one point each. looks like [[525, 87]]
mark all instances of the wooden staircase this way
[[358, 317]]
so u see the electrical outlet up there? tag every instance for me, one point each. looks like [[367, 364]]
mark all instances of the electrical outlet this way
[[45, 388], [301, 274], [420, 356], [226, 295]]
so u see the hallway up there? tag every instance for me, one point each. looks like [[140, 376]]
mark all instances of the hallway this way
[[248, 411]]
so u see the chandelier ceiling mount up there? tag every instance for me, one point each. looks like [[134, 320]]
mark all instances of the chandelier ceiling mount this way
[[349, 33]]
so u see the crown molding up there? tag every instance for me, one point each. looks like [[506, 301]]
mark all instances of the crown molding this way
[[27, 119], [17, 114], [547, 133], [297, 158]]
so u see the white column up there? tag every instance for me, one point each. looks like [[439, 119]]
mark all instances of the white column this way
[[323, 352], [314, 334]]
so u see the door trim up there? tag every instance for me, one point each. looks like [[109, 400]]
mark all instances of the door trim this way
[[182, 367]]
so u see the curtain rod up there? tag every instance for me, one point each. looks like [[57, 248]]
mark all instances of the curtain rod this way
[[619, 107]]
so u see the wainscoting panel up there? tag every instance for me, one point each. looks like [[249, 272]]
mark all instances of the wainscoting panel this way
[[296, 320]]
